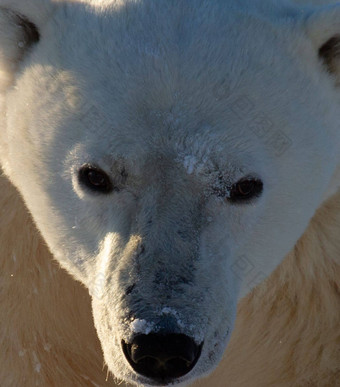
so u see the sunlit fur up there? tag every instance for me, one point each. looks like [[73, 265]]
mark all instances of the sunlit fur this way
[[172, 133], [287, 329]]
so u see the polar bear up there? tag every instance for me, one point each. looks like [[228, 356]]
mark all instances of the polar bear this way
[[172, 154]]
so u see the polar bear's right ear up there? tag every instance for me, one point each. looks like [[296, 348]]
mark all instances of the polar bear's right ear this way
[[20, 23], [323, 27]]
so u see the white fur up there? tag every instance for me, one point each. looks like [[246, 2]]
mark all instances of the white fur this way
[[209, 88]]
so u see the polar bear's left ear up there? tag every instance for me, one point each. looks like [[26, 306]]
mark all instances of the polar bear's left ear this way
[[323, 27]]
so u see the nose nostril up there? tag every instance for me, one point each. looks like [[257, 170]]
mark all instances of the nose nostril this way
[[162, 357]]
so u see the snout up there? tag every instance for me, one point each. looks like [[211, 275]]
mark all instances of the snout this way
[[162, 357]]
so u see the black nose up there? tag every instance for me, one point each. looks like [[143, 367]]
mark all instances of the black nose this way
[[162, 357]]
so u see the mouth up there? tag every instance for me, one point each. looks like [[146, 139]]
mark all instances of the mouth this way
[[162, 358]]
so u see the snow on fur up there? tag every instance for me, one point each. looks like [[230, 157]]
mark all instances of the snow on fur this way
[[129, 145]]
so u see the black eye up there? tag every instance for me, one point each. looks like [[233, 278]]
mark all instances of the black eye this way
[[95, 179], [245, 189]]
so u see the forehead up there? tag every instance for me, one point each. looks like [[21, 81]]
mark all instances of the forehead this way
[[175, 76], [149, 52]]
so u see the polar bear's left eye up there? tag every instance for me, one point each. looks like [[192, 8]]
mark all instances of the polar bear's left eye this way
[[95, 179], [245, 189]]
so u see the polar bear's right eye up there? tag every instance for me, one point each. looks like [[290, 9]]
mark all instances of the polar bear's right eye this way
[[95, 179]]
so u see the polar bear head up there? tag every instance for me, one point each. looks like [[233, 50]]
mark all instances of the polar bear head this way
[[171, 154]]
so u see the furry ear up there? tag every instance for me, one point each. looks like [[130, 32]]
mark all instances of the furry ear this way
[[323, 27], [20, 23]]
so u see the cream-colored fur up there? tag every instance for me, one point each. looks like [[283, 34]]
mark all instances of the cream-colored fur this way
[[287, 330], [47, 333]]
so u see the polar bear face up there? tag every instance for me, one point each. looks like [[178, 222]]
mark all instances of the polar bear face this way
[[171, 168]]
